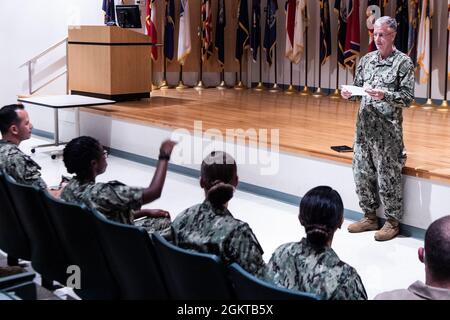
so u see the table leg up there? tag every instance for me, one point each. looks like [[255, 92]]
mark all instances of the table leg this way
[[77, 122], [56, 118]]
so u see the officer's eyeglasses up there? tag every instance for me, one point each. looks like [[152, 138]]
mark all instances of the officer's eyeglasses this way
[[105, 153], [382, 35]]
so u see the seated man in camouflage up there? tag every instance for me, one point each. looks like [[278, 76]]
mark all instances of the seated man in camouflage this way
[[85, 157], [311, 265], [210, 227], [16, 127]]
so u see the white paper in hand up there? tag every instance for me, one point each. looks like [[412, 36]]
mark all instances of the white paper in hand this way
[[355, 91]]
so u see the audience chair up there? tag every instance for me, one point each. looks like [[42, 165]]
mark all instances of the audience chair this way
[[248, 287], [47, 255], [75, 226], [19, 286], [191, 275], [132, 259], [13, 239]]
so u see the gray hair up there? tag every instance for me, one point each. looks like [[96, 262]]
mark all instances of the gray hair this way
[[387, 21]]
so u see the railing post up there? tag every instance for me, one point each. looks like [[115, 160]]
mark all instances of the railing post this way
[[30, 81], [67, 66]]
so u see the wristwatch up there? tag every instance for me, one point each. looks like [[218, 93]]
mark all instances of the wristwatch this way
[[163, 156]]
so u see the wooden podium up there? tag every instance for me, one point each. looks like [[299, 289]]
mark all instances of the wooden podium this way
[[109, 63]]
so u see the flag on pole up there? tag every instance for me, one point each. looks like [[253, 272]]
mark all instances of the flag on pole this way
[[401, 15], [373, 12], [291, 6], [207, 43], [412, 29], [325, 33], [301, 21], [255, 39], [242, 31], [169, 29], [184, 38], [221, 22], [108, 7], [270, 29], [423, 41], [150, 24], [352, 37], [340, 8], [383, 7]]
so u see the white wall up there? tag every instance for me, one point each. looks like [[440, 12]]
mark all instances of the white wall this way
[[27, 28]]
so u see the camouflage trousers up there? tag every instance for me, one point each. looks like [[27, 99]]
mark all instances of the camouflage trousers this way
[[378, 176], [153, 224]]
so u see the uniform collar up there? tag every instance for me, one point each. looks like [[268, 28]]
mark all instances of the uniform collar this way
[[428, 292], [389, 61], [3, 141], [79, 183], [328, 250], [221, 212]]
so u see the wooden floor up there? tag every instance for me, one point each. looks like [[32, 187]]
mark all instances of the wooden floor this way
[[307, 125]]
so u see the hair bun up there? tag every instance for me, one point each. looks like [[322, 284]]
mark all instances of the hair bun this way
[[220, 193], [317, 234]]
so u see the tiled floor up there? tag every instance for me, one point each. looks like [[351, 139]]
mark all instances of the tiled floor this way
[[382, 266]]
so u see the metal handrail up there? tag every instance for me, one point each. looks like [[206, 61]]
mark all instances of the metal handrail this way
[[49, 81], [45, 52], [35, 58]]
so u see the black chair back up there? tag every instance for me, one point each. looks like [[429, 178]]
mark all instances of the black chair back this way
[[13, 239], [47, 256], [248, 287], [75, 226], [191, 275], [132, 259], [19, 286]]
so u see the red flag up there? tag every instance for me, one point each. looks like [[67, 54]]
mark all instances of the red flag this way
[[290, 25], [352, 40], [207, 44], [150, 21]]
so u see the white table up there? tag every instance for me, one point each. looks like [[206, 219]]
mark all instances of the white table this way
[[63, 102]]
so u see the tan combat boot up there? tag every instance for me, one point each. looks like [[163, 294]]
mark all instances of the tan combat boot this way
[[389, 231], [368, 223]]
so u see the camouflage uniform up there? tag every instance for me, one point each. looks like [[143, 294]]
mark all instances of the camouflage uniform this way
[[113, 199], [300, 266], [19, 165], [206, 229], [379, 153]]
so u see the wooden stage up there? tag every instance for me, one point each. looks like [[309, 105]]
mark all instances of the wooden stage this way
[[307, 125]]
